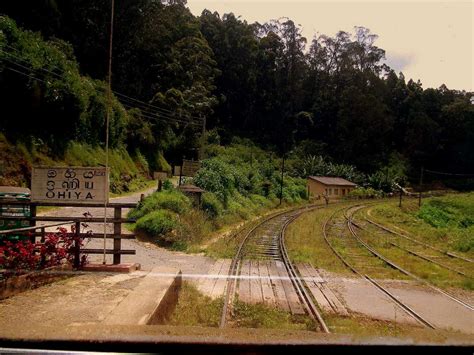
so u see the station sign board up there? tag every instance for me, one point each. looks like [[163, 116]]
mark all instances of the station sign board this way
[[63, 185], [190, 167], [160, 175]]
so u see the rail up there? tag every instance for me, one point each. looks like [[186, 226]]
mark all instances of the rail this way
[[402, 270], [299, 287], [405, 307]]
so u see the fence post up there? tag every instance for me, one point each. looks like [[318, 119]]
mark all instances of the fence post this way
[[43, 234], [32, 221], [117, 233], [77, 245], [42, 240], [400, 202]]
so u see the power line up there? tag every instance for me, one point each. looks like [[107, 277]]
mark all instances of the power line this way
[[19, 72], [144, 111], [447, 174], [25, 61], [150, 105], [129, 104], [124, 97], [151, 116]]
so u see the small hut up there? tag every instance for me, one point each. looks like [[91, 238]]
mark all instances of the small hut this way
[[193, 192], [330, 187]]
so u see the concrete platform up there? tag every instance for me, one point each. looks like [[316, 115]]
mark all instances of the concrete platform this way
[[123, 268], [151, 302], [87, 298]]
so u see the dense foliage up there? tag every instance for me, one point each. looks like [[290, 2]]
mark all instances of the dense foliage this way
[[355, 115], [241, 181], [244, 169]]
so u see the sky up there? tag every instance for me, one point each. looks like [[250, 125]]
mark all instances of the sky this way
[[426, 40]]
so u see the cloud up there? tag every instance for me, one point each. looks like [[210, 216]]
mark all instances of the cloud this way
[[399, 62]]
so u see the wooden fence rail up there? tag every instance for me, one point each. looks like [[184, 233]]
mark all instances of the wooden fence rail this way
[[117, 220]]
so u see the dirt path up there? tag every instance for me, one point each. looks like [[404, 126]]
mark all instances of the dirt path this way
[[147, 254]]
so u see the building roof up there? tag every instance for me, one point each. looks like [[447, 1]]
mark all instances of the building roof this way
[[326, 180], [191, 188], [14, 190], [14, 193]]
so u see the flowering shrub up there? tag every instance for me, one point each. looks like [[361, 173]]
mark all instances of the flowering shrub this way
[[23, 256]]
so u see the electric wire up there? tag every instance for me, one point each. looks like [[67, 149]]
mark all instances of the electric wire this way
[[123, 96], [447, 174], [154, 114]]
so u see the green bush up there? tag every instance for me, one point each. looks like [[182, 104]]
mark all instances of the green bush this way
[[259, 200], [434, 216], [211, 205], [215, 176], [447, 212], [157, 223], [171, 200], [236, 208], [168, 185], [362, 192]]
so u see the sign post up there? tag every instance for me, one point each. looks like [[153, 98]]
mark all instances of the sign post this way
[[190, 167], [160, 176], [63, 185]]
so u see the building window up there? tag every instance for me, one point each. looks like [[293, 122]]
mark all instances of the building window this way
[[336, 191]]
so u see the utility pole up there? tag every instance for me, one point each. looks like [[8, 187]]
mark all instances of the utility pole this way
[[203, 139], [107, 120], [421, 183], [401, 193], [281, 183], [181, 172]]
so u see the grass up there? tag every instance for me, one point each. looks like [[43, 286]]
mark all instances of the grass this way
[[195, 309], [435, 274], [228, 239], [147, 184], [263, 316], [359, 325], [444, 222], [44, 209], [305, 242]]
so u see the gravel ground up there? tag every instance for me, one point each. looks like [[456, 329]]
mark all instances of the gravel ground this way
[[360, 296], [147, 254]]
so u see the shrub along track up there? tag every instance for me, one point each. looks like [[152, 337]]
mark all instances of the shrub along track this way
[[447, 256], [270, 247], [363, 260]]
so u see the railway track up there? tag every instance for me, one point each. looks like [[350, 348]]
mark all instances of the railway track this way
[[419, 243], [410, 274], [270, 246], [351, 260], [355, 248]]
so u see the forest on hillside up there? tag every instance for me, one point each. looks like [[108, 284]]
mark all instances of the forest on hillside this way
[[323, 102]]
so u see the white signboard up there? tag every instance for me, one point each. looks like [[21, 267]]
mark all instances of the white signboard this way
[[70, 184], [160, 175], [190, 167]]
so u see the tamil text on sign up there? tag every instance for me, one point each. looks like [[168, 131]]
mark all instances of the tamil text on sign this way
[[69, 184], [190, 167]]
